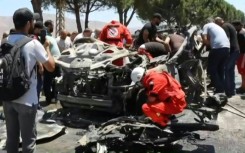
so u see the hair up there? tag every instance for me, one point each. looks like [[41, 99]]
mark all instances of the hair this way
[[48, 22], [38, 24], [157, 15], [20, 25], [11, 30], [237, 23], [209, 20]]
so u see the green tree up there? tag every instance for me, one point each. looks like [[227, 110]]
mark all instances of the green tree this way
[[37, 7], [125, 9], [78, 7], [183, 12]]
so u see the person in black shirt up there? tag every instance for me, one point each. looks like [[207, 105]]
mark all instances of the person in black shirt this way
[[241, 60], [152, 49], [149, 32], [230, 86]]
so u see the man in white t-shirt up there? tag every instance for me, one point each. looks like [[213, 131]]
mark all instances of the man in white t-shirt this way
[[215, 37], [20, 114], [63, 41]]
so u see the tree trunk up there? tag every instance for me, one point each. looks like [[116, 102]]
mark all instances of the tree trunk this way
[[125, 13], [120, 14], [37, 7], [77, 14], [87, 13], [130, 17]]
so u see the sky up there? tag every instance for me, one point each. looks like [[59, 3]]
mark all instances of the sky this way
[[7, 8]]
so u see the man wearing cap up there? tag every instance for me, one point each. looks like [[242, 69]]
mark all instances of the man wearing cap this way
[[215, 37], [230, 86], [149, 31], [20, 114], [165, 96]]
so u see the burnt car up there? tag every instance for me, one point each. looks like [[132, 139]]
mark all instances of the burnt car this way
[[93, 79], [94, 75]]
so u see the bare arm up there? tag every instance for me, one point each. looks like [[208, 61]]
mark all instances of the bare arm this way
[[205, 40], [50, 64], [167, 44], [146, 36]]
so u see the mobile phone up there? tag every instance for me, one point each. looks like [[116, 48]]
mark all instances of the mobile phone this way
[[43, 35]]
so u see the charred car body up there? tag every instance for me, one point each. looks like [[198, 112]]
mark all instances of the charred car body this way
[[92, 80], [88, 79]]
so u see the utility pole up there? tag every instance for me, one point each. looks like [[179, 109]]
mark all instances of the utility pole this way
[[60, 16]]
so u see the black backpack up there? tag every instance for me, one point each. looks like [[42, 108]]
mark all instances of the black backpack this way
[[14, 80]]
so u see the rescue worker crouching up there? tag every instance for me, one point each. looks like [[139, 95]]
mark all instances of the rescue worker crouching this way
[[165, 96]]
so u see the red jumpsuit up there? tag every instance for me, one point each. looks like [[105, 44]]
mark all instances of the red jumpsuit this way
[[114, 33], [170, 97]]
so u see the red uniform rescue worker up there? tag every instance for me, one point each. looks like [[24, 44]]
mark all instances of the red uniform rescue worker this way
[[115, 33], [165, 96]]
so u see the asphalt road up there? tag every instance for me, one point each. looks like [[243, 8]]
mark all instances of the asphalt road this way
[[230, 138]]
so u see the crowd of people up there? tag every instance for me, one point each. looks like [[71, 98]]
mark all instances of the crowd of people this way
[[226, 42], [165, 95]]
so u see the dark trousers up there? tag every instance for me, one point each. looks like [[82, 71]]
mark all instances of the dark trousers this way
[[216, 67], [49, 85], [230, 85], [39, 84]]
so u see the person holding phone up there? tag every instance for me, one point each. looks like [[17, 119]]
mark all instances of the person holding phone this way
[[48, 77]]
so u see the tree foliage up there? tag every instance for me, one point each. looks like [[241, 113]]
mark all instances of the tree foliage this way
[[125, 9], [179, 12], [182, 12], [77, 7]]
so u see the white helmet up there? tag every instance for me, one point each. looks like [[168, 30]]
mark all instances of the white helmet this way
[[137, 74]]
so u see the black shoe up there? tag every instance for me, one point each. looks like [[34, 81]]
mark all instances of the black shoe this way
[[173, 119], [211, 85], [229, 95], [240, 90]]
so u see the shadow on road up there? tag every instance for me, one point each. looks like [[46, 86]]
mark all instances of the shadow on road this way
[[201, 149], [242, 97], [170, 149]]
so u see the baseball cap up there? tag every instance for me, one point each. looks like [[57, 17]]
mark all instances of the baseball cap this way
[[23, 15], [158, 15]]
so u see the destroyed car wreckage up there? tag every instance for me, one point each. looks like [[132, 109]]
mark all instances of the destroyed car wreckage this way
[[91, 80]]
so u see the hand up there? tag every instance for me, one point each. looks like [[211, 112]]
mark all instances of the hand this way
[[158, 114], [152, 99]]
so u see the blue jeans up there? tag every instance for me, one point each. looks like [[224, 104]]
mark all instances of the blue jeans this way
[[216, 67], [230, 85]]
